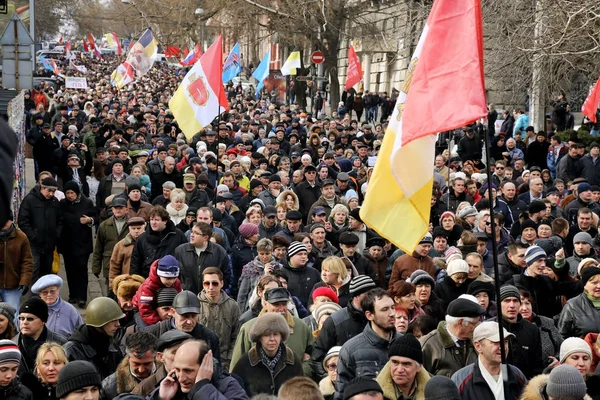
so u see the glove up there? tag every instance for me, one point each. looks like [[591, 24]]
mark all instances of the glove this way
[[24, 289]]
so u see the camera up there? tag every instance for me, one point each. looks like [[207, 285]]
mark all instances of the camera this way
[[77, 145]]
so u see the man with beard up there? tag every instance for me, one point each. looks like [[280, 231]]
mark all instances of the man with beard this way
[[366, 354], [138, 364]]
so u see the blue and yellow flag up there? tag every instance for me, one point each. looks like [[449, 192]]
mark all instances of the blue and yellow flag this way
[[143, 53]]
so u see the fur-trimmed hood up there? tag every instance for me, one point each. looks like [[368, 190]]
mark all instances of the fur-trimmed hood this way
[[536, 389], [384, 378], [127, 285]]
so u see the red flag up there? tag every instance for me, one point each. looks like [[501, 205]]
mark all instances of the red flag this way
[[85, 46], [118, 42], [590, 106], [93, 46], [68, 48], [172, 51], [355, 73], [60, 40], [186, 52]]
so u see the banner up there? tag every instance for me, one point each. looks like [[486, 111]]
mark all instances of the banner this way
[[72, 82]]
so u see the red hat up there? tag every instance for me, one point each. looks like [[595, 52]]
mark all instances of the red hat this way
[[325, 291]]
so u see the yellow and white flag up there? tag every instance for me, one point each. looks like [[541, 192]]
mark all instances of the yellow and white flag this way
[[290, 65]]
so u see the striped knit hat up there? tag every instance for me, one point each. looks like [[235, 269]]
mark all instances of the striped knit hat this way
[[533, 254], [295, 248], [9, 352], [361, 284]]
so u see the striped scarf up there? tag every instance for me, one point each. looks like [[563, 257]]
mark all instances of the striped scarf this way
[[268, 361]]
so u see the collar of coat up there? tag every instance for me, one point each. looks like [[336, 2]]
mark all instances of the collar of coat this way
[[254, 357], [387, 384], [445, 338], [536, 389]]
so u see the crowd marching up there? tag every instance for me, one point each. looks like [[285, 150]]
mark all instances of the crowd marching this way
[[235, 265]]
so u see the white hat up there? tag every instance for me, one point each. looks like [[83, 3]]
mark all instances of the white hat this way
[[457, 266], [489, 330], [574, 345]]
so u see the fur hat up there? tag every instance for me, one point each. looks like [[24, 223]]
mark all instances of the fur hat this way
[[267, 323], [127, 285]]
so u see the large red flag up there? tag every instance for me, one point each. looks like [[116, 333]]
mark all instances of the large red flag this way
[[85, 46], [118, 42], [355, 73], [590, 106]]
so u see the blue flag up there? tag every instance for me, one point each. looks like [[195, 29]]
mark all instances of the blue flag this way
[[261, 72], [232, 65], [46, 63]]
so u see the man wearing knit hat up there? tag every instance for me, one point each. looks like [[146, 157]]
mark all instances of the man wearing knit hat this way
[[362, 388], [566, 382], [349, 248], [80, 377], [10, 360], [545, 291], [408, 263], [525, 350], [33, 315], [404, 372], [583, 247], [365, 354], [343, 324], [301, 278], [584, 200], [450, 348], [484, 378]]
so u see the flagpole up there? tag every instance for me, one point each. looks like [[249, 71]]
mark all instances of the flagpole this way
[[495, 259]]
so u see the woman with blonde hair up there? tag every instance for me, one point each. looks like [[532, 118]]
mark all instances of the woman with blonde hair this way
[[335, 275], [177, 207], [51, 358], [289, 200], [254, 215]]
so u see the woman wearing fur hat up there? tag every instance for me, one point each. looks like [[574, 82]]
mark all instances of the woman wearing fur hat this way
[[269, 363]]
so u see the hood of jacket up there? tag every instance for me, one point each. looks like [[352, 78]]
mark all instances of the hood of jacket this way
[[384, 378]]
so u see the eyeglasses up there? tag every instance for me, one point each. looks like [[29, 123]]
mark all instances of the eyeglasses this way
[[499, 167], [212, 283], [28, 319], [48, 292], [332, 367]]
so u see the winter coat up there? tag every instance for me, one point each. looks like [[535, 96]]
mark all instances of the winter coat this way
[[435, 307], [472, 386], [536, 389], [406, 264], [106, 239], [301, 281], [441, 356], [241, 254], [40, 220], [574, 260], [177, 216], [536, 154], [191, 265], [568, 168], [63, 318], [259, 379], [340, 327], [307, 196], [40, 391], [251, 274], [579, 317], [76, 239], [121, 381], [364, 355], [384, 378], [448, 291], [29, 347], [264, 232], [300, 341], [17, 261], [198, 199], [470, 149], [521, 124], [15, 390], [451, 201], [43, 151], [550, 337], [147, 294], [319, 254], [121, 258], [152, 246], [223, 318], [506, 268], [143, 211], [525, 348], [85, 345], [146, 386]]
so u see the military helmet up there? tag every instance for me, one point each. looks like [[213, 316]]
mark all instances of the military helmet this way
[[101, 311]]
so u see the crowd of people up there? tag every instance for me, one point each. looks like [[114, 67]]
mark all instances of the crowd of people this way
[[236, 265]]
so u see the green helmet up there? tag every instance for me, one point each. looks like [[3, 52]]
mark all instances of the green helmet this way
[[101, 311]]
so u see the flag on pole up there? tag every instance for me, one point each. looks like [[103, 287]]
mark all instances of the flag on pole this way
[[232, 66], [113, 42], [143, 53], [54, 67], [93, 46], [200, 96], [123, 75], [444, 89], [192, 57], [261, 72], [172, 51], [355, 73], [590, 106], [80, 68], [60, 40], [46, 64], [290, 65], [85, 46], [68, 50]]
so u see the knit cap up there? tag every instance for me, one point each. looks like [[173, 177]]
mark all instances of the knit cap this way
[[326, 308], [248, 230], [36, 306], [457, 266], [507, 291], [583, 237], [407, 346], [534, 253], [165, 296], [76, 375], [566, 381], [574, 345], [360, 284], [528, 224], [295, 248], [441, 388], [168, 267], [7, 310], [333, 352], [360, 385], [327, 292], [447, 214], [588, 273], [9, 352], [586, 262], [420, 277], [467, 212]]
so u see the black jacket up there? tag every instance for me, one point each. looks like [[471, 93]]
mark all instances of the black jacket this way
[[525, 348], [198, 199], [447, 290], [307, 196], [29, 347], [472, 386], [43, 152], [340, 327], [579, 317], [15, 390], [506, 268], [40, 391], [516, 205], [76, 238], [199, 332], [191, 266], [40, 220], [301, 281], [152, 245], [105, 190], [241, 254], [89, 345]]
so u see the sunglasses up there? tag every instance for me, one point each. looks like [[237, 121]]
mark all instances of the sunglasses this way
[[212, 283], [28, 319]]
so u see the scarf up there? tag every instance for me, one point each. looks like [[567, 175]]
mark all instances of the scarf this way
[[269, 362], [595, 301], [4, 235], [496, 386]]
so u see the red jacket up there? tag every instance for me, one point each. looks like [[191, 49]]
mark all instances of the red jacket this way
[[144, 299], [591, 338]]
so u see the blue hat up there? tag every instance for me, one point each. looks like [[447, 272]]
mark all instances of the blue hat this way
[[583, 187], [168, 267], [45, 282]]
